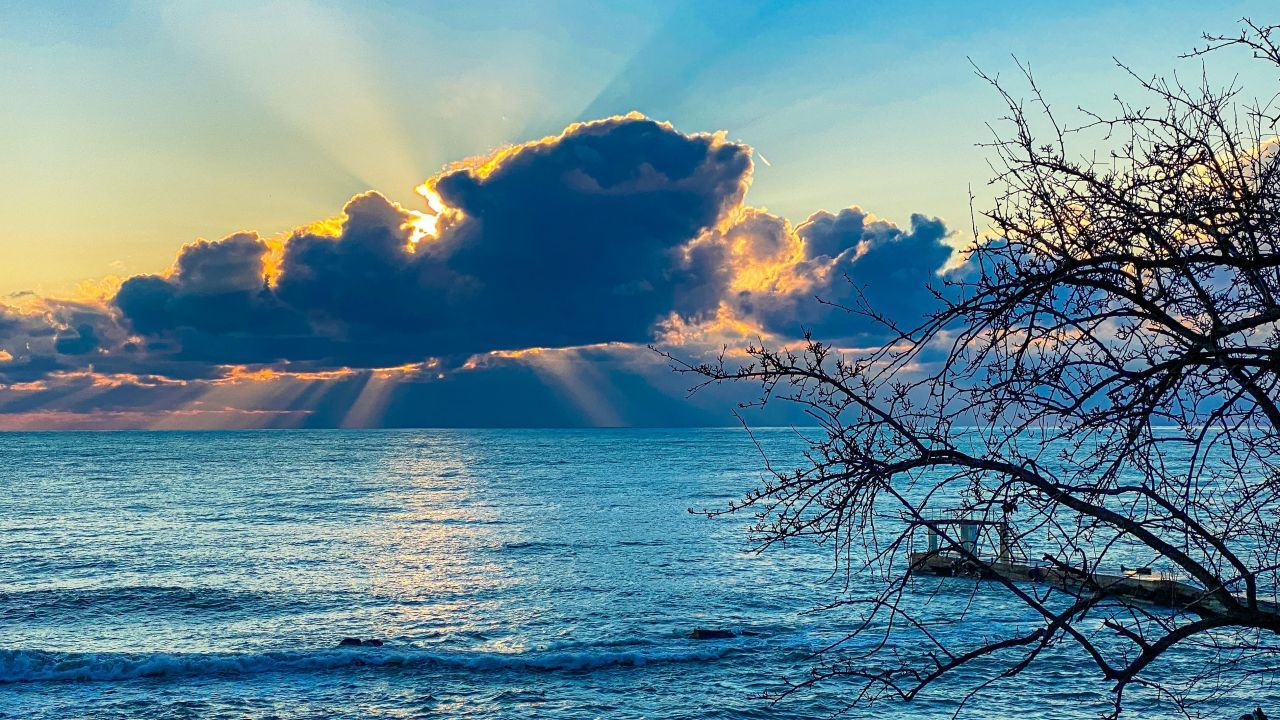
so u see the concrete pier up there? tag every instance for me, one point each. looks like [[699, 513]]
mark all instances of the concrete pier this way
[[1149, 588]]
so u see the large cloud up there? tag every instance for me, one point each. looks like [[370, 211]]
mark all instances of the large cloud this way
[[824, 274], [39, 336], [566, 241], [852, 261], [614, 231]]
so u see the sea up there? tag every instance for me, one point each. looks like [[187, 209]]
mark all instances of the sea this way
[[507, 573]]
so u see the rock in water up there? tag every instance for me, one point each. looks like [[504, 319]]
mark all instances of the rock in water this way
[[357, 642], [711, 634]]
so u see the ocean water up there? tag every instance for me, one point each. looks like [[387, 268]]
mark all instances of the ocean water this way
[[510, 574]]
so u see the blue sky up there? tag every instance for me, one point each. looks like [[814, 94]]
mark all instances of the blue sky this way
[[133, 128]]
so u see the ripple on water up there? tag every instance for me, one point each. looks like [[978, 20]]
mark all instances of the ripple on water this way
[[511, 573]]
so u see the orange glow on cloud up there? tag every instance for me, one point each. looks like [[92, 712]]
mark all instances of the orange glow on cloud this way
[[115, 380], [725, 328], [181, 419], [238, 374], [756, 252], [97, 291], [476, 361], [31, 386], [328, 227], [426, 225], [25, 304], [243, 374], [771, 269]]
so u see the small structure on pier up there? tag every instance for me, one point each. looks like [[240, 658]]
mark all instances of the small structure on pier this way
[[959, 546], [970, 532]]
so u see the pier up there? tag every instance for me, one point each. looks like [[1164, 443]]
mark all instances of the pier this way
[[1141, 585]]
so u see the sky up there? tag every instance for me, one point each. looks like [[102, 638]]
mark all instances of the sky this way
[[308, 213]]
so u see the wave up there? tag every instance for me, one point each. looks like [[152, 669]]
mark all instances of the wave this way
[[18, 666], [50, 605]]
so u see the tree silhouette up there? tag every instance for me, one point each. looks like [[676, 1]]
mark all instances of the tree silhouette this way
[[1103, 376]]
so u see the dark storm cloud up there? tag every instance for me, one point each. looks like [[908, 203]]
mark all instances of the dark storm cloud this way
[[851, 260], [217, 288], [615, 233], [578, 241], [80, 341], [571, 240], [53, 335]]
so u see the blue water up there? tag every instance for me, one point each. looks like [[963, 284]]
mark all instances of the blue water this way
[[511, 574]]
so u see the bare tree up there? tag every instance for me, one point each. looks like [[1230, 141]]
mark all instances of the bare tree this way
[[1103, 377]]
